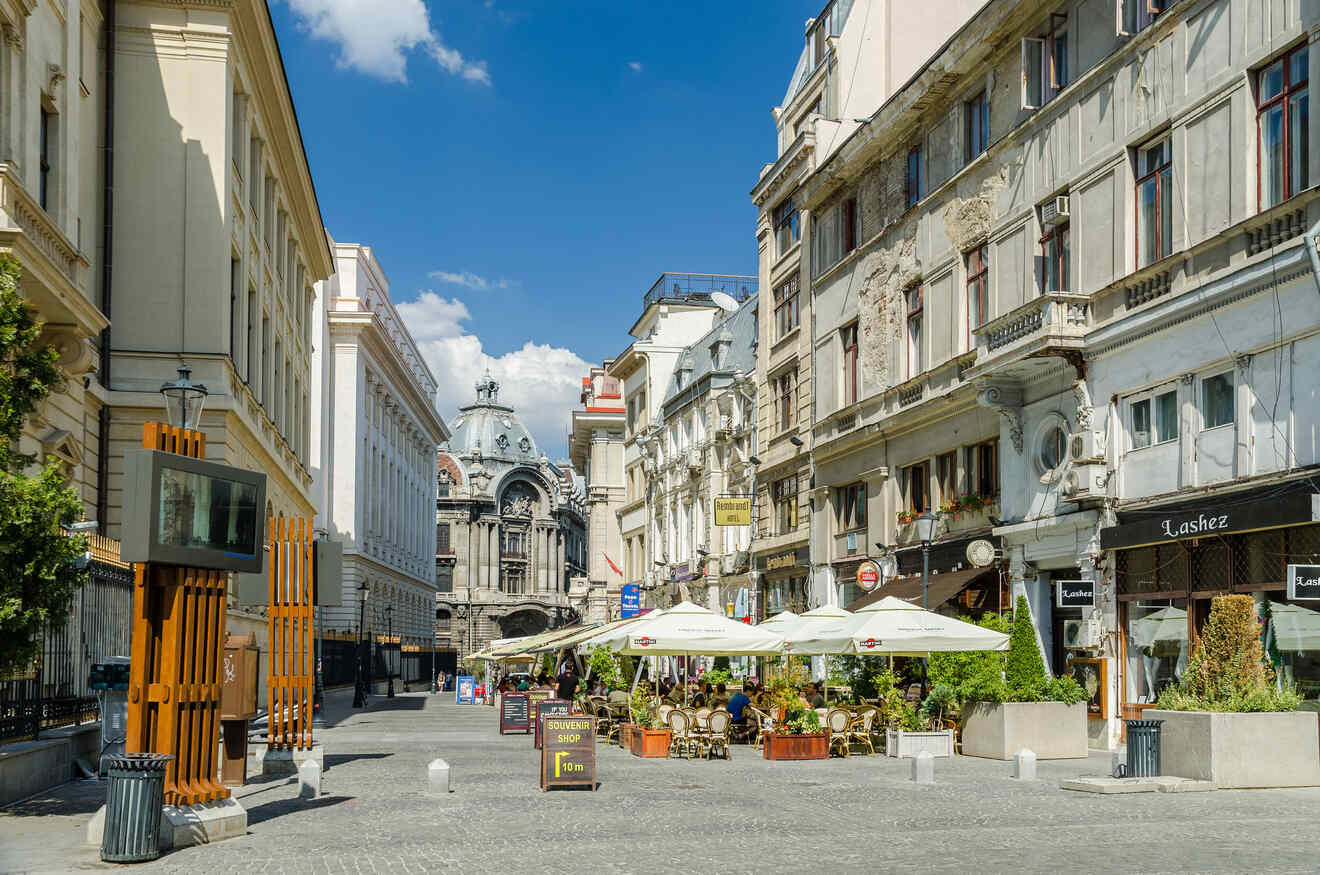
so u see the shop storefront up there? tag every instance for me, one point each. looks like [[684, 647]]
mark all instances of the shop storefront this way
[[1171, 561], [784, 586], [954, 587]]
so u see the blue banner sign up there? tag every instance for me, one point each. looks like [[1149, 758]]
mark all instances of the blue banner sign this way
[[630, 601], [466, 690]]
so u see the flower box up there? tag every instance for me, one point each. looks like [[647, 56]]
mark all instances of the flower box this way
[[998, 730], [1263, 749], [809, 746], [649, 742], [901, 743]]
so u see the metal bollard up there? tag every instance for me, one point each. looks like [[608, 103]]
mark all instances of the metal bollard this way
[[134, 797]]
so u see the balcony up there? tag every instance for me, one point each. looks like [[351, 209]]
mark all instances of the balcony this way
[[1012, 344], [697, 288], [512, 556]]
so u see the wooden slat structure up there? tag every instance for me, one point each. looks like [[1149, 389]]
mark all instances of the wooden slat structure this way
[[289, 684], [174, 676]]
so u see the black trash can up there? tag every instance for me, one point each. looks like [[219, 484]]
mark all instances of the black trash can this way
[[1143, 748], [134, 796]]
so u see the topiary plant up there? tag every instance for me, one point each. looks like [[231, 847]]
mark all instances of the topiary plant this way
[[1025, 668]]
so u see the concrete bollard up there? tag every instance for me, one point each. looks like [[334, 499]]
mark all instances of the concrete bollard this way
[[437, 773], [923, 768], [1024, 765], [309, 779]]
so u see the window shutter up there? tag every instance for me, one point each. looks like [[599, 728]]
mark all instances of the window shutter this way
[[1033, 64]]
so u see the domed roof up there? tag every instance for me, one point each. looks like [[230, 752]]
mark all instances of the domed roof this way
[[492, 428]]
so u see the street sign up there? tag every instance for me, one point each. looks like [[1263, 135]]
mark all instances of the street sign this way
[[733, 511], [629, 600], [465, 690], [568, 752], [1075, 593], [513, 714], [868, 575], [1304, 582], [549, 707]]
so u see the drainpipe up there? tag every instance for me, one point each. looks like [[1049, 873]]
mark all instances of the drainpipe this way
[[108, 194], [1309, 237]]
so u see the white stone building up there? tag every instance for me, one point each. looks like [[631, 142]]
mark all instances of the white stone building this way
[[374, 434], [595, 447]]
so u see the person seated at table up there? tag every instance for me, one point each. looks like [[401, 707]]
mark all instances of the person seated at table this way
[[675, 693], [618, 696], [737, 706], [545, 682], [720, 697], [702, 697], [524, 685], [811, 697]]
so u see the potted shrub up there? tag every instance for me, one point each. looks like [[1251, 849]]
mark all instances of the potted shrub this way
[[1020, 707], [908, 731], [648, 736], [1230, 720], [797, 734]]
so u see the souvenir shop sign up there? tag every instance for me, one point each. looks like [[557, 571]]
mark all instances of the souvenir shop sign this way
[[568, 752]]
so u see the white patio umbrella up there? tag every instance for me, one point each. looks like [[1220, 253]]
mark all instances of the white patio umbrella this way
[[1166, 624], [1296, 629], [898, 628], [780, 623]]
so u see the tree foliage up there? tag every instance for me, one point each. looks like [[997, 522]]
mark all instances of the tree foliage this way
[[37, 558], [1025, 667]]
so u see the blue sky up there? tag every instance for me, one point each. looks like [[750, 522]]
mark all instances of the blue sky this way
[[525, 170]]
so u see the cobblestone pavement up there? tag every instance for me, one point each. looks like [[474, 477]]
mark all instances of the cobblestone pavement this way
[[651, 816]]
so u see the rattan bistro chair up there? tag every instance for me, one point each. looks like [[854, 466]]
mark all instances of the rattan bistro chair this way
[[859, 729], [837, 720], [754, 713], [663, 712], [681, 735], [717, 738]]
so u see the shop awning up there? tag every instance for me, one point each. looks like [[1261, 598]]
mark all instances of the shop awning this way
[[942, 588], [524, 645], [580, 634]]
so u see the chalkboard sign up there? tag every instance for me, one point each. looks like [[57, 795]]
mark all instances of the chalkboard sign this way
[[536, 697], [1304, 583], [1075, 593], [514, 714], [556, 707], [568, 752]]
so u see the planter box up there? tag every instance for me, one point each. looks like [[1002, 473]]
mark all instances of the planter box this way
[[812, 746], [650, 742], [900, 743], [625, 736], [1051, 730], [1279, 749]]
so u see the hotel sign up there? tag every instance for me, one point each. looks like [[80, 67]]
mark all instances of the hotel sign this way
[[733, 510]]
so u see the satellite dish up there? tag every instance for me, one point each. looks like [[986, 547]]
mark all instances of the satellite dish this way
[[724, 302], [981, 553], [888, 567]]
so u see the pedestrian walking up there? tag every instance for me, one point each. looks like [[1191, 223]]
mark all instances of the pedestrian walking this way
[[567, 683]]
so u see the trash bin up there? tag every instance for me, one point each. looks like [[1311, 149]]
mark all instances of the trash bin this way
[[135, 794], [1143, 748]]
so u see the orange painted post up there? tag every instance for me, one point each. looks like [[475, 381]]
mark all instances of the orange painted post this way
[[289, 683]]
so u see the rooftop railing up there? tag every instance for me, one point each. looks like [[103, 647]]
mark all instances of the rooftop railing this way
[[698, 287]]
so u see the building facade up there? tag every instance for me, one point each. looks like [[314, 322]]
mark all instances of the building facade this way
[[510, 531], [595, 446], [677, 310], [217, 241], [1071, 324], [374, 434]]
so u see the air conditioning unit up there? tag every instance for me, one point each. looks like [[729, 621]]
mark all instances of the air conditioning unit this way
[[1054, 211], [1081, 634], [694, 460], [1085, 446], [851, 541], [1086, 480]]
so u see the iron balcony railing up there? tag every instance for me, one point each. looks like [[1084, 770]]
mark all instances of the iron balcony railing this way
[[698, 287]]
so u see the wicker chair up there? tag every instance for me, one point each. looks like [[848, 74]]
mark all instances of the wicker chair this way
[[662, 712], [717, 738], [681, 735], [756, 714], [859, 729], [837, 721]]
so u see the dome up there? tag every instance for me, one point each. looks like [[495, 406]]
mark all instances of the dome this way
[[491, 428]]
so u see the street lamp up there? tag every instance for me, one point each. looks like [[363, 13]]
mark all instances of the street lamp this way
[[926, 533], [389, 637], [360, 684], [184, 400]]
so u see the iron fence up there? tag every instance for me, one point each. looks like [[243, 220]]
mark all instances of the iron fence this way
[[54, 691]]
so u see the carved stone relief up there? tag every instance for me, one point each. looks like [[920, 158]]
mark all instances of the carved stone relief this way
[[886, 274]]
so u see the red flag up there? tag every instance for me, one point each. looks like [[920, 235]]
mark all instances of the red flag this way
[[616, 568]]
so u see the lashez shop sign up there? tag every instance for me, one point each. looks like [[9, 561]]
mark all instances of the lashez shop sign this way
[[1155, 527], [1075, 593], [1304, 583]]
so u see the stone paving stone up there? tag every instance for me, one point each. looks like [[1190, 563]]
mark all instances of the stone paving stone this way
[[653, 816]]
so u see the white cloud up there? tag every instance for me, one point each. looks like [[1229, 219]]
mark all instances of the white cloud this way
[[375, 36], [469, 279], [542, 382], [635, 66]]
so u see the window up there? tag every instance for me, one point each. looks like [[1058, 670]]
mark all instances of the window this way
[[914, 176], [1154, 202], [236, 135], [46, 135], [1135, 16], [849, 338], [850, 507], [787, 314], [836, 232], [250, 373], [788, 228], [254, 181], [442, 535], [1282, 128], [976, 126], [784, 496], [785, 393], [1217, 400], [982, 462], [915, 296], [1052, 450], [825, 25], [916, 483], [851, 225], [1163, 407], [946, 475], [1054, 259], [1045, 64], [978, 286]]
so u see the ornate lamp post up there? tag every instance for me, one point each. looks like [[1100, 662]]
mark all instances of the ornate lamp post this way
[[389, 636], [184, 400], [360, 682], [926, 533]]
